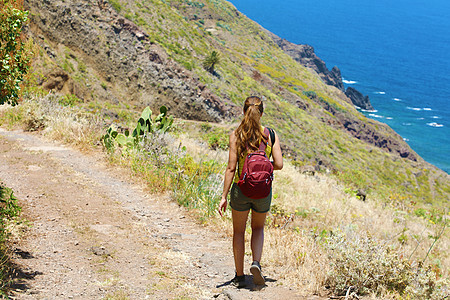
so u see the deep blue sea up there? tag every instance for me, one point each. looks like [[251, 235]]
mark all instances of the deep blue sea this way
[[397, 52]]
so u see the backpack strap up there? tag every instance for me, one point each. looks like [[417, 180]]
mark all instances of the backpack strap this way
[[271, 133], [263, 144]]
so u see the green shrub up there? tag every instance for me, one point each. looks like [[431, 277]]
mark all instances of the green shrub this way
[[210, 61], [217, 140], [310, 94], [194, 3], [9, 212], [224, 26], [82, 67], [116, 5], [69, 100], [15, 55]]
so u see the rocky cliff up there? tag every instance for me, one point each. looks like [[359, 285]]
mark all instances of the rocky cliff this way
[[126, 63], [358, 99], [304, 54]]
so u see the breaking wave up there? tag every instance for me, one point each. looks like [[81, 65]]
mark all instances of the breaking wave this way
[[349, 81], [434, 124]]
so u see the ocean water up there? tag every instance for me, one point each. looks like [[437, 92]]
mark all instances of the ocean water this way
[[397, 52]]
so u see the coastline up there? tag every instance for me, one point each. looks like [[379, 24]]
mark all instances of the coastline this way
[[402, 97]]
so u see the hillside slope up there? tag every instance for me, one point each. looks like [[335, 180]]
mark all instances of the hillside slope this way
[[130, 54]]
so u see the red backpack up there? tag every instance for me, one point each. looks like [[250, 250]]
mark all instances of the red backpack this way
[[256, 178]]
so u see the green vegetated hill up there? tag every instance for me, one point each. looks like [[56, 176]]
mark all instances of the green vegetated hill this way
[[120, 54]]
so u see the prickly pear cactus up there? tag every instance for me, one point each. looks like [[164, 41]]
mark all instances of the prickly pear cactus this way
[[109, 138], [144, 125]]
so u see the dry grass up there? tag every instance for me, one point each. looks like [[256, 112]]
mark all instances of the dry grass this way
[[70, 125], [322, 203], [67, 124], [313, 209]]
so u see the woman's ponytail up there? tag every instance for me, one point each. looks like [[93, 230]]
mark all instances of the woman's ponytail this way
[[249, 133]]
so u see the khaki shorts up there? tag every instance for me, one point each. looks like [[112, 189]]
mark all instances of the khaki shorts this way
[[240, 202]]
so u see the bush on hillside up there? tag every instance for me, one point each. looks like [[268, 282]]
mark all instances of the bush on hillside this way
[[211, 61], [361, 265]]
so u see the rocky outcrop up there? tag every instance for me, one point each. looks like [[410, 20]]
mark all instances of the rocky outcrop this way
[[358, 99], [133, 69], [381, 137], [304, 54]]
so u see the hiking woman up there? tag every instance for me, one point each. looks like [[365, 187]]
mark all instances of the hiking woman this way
[[248, 138]]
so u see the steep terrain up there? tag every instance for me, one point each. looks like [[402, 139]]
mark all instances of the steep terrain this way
[[119, 54], [132, 54]]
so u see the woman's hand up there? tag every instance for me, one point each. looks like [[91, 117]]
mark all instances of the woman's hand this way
[[223, 206]]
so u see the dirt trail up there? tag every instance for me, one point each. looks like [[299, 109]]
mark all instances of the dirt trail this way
[[95, 235]]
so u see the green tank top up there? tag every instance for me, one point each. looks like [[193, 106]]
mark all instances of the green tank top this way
[[241, 161]]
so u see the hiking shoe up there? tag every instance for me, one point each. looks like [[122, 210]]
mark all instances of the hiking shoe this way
[[238, 281], [255, 269]]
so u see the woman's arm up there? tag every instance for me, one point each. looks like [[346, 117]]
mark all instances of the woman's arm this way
[[229, 173], [276, 154]]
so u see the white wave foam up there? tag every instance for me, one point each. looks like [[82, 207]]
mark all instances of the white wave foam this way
[[406, 124], [406, 140], [349, 81], [376, 116], [369, 111], [380, 93], [420, 119], [434, 124], [396, 99], [389, 118], [427, 109], [435, 117], [414, 108]]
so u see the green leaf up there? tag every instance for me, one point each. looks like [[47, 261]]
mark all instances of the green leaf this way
[[147, 113], [121, 139], [163, 109]]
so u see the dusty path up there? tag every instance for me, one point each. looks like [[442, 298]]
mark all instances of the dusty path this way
[[97, 236]]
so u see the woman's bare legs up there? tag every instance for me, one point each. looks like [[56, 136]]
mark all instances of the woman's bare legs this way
[[257, 242], [239, 223]]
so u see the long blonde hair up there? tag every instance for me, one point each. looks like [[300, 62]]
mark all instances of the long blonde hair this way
[[249, 133]]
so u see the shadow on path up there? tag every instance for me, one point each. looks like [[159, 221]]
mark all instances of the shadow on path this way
[[21, 275], [249, 285]]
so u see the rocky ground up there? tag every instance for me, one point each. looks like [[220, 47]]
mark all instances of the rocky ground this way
[[95, 235]]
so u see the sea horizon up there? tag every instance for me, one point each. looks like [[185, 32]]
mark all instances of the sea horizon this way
[[397, 53]]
